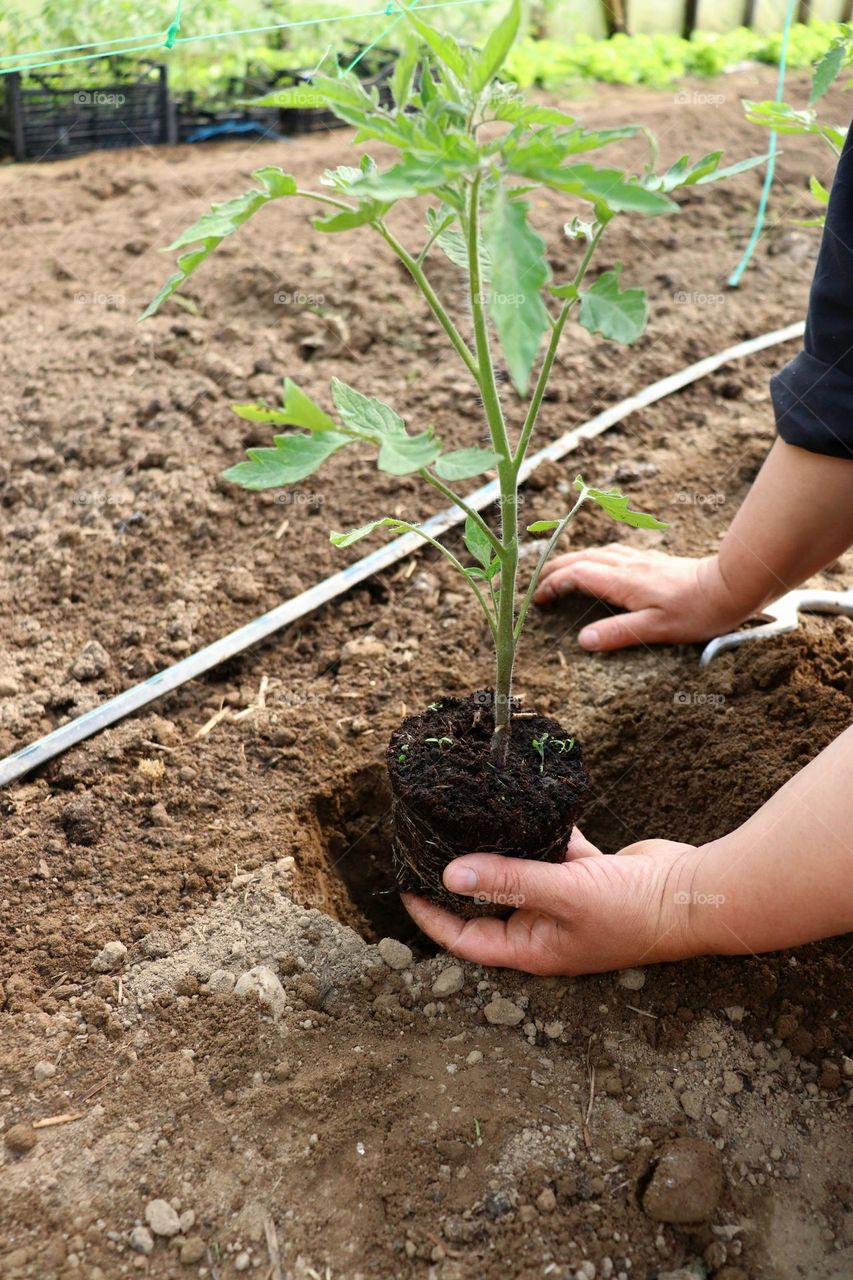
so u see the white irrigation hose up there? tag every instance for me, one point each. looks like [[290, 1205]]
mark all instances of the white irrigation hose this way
[[123, 704]]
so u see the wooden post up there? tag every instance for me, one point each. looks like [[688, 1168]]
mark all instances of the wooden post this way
[[615, 16], [691, 13], [804, 12], [749, 12], [846, 11]]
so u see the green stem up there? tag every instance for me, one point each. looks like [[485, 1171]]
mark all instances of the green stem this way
[[551, 353], [324, 199], [507, 475], [416, 272], [448, 493], [548, 548]]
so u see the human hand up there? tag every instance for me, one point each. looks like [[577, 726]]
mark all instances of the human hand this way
[[589, 914], [670, 599]]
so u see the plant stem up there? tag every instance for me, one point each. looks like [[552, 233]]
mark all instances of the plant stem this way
[[448, 493], [416, 272], [507, 474]]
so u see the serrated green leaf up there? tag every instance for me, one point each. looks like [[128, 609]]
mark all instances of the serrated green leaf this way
[[496, 48], [402, 455], [403, 73], [355, 535], [477, 543], [292, 459], [484, 575], [616, 505], [615, 313], [343, 93], [542, 526], [607, 187], [364, 415], [455, 247], [729, 170], [222, 220], [827, 69], [445, 48], [517, 111], [519, 271], [298, 410], [464, 464], [346, 220]]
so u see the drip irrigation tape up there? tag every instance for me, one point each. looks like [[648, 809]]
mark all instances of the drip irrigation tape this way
[[68, 735]]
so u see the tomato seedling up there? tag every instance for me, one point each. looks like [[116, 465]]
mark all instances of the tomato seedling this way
[[473, 150]]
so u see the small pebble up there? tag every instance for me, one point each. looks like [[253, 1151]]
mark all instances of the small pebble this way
[[546, 1201], [20, 1138], [111, 957], [162, 1218], [395, 954], [43, 1071], [501, 1012], [553, 1030], [192, 1251], [449, 981], [141, 1240], [632, 979], [732, 1083]]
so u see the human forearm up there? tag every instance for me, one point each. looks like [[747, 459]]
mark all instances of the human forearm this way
[[796, 519], [786, 876]]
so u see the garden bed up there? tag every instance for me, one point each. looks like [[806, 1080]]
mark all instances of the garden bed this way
[[381, 1127]]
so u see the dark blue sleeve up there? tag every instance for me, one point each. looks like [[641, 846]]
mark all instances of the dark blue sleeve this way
[[813, 395]]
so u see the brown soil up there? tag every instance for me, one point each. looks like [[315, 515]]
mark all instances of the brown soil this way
[[375, 1127], [451, 797]]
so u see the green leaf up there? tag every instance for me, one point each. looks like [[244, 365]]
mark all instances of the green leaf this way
[[563, 290], [520, 112], [609, 187], [299, 410], [616, 505], [292, 459], [729, 170], [464, 464], [519, 272], [369, 211], [343, 94], [364, 415], [402, 455], [477, 543], [355, 535], [615, 313], [818, 190], [827, 68], [222, 220], [496, 48], [403, 73], [542, 526], [444, 47]]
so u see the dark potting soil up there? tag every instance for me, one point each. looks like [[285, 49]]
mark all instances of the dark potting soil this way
[[450, 797]]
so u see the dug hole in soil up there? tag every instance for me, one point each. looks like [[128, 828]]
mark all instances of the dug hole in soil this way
[[210, 1061]]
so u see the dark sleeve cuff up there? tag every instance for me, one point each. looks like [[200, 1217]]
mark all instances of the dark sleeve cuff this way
[[813, 403]]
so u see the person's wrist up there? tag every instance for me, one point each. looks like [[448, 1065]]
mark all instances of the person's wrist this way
[[727, 601]]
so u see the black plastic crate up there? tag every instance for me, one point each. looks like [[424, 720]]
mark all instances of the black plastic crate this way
[[49, 119]]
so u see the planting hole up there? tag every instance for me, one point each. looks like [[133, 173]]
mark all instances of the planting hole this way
[[355, 828]]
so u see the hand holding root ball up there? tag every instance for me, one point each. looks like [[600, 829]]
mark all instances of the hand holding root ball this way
[[586, 915]]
